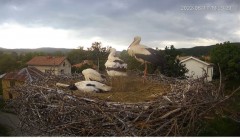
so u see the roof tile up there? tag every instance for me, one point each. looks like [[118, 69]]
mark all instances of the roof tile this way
[[46, 60]]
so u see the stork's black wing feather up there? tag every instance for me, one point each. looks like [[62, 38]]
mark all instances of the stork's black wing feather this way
[[90, 84], [72, 87], [117, 69], [155, 57], [118, 61]]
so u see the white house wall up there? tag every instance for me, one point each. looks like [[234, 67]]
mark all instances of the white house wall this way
[[57, 69], [66, 67], [210, 73], [196, 69]]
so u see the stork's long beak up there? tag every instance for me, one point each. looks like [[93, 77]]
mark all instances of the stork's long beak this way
[[130, 45]]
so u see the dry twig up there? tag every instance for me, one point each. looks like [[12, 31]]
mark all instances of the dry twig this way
[[45, 110]]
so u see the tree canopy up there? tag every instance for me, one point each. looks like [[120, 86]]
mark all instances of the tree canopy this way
[[227, 56], [173, 68], [96, 52], [7, 63]]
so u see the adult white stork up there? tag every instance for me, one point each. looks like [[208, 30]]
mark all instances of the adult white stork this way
[[145, 54], [87, 86], [114, 65], [93, 75]]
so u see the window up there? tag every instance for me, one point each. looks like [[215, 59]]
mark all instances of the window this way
[[10, 95], [62, 71], [63, 64]]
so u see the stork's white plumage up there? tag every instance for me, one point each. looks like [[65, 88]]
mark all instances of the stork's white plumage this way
[[145, 54], [92, 75], [87, 86], [114, 65]]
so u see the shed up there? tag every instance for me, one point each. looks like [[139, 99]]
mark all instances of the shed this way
[[12, 79]]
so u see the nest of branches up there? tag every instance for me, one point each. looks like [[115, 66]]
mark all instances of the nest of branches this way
[[45, 110]]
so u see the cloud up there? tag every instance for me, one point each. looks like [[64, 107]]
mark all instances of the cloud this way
[[19, 36], [115, 22]]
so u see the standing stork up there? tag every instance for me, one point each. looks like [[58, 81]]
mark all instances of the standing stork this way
[[114, 65], [145, 54]]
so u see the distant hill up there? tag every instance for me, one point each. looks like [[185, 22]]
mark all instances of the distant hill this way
[[197, 51], [44, 49], [194, 51], [200, 50]]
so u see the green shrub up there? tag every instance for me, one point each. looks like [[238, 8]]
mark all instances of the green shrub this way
[[220, 126]]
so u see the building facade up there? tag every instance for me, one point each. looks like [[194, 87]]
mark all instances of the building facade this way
[[51, 65], [197, 68]]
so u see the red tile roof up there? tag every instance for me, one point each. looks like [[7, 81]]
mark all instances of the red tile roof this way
[[14, 76], [88, 62], [46, 60]]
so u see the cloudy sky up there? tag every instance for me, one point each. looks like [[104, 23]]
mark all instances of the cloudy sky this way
[[160, 23]]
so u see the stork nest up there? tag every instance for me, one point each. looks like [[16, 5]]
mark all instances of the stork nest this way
[[45, 110]]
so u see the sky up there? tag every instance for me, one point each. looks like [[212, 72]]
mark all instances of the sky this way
[[160, 23]]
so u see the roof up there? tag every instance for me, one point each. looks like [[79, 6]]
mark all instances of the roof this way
[[189, 58], [26, 74], [88, 62], [46, 61], [182, 57], [1, 76]]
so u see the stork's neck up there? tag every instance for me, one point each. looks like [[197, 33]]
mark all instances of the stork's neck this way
[[112, 54], [136, 41]]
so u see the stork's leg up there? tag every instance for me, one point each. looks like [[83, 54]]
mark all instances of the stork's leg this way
[[145, 72], [111, 81]]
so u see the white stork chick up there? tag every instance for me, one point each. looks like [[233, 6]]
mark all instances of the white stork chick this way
[[114, 65], [87, 86], [92, 75], [145, 54]]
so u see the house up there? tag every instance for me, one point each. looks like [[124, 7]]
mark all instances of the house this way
[[51, 65], [197, 68], [20, 77]]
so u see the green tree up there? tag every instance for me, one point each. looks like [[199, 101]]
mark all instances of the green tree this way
[[77, 56], [25, 57], [7, 63], [98, 54], [173, 66], [227, 56]]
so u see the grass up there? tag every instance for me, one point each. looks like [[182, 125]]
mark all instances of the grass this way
[[131, 89]]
